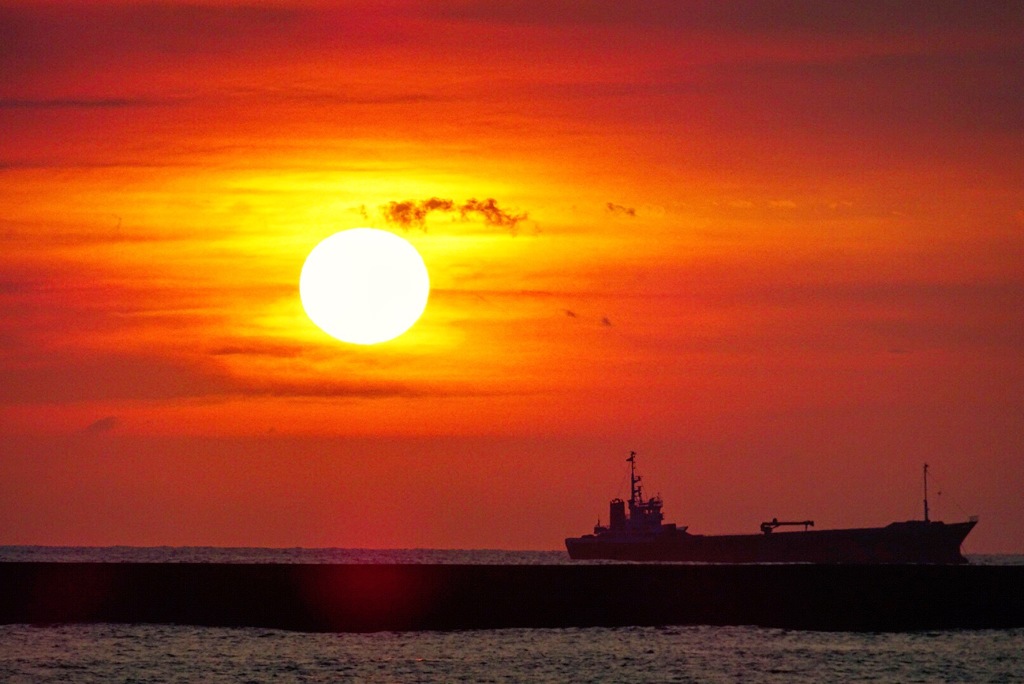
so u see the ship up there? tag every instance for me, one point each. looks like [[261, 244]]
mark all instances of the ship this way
[[636, 531]]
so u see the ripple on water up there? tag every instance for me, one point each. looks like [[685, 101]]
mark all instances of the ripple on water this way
[[152, 653]]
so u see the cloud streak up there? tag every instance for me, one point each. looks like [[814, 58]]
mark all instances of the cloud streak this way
[[83, 103], [66, 379]]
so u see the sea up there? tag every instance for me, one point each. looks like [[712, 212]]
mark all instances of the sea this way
[[185, 653]]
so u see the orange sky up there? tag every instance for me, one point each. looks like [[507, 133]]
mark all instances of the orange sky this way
[[775, 247]]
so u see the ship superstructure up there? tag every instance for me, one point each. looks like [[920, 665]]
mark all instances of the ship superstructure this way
[[644, 517]]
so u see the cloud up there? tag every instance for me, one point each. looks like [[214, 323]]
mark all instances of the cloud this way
[[409, 213], [372, 389], [82, 102], [60, 34], [621, 209], [723, 18], [492, 214], [70, 379], [102, 425], [128, 377], [604, 321], [414, 213], [255, 349]]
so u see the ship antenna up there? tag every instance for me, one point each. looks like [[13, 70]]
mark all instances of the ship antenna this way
[[926, 492]]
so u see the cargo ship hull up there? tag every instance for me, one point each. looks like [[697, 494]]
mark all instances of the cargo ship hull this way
[[900, 542]]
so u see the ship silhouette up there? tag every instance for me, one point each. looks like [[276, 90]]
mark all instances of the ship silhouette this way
[[636, 531]]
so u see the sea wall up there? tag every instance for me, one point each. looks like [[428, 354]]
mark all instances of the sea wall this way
[[448, 597]]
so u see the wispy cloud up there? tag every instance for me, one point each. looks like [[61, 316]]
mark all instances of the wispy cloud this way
[[67, 379], [775, 20], [102, 425], [414, 213], [410, 213], [257, 349], [621, 209], [492, 214], [83, 102], [49, 31]]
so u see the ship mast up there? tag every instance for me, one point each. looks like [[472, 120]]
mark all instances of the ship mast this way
[[926, 492], [635, 496]]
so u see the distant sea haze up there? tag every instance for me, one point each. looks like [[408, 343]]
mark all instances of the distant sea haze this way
[[215, 554]]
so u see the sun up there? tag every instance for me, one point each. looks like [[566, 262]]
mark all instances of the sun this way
[[364, 285]]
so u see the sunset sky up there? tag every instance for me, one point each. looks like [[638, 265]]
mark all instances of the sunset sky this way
[[777, 248]]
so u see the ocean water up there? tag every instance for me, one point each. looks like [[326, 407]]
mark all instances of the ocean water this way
[[169, 653], [184, 653]]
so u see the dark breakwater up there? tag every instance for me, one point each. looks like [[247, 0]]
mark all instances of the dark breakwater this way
[[362, 598]]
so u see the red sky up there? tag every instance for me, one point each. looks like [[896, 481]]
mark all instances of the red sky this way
[[777, 248]]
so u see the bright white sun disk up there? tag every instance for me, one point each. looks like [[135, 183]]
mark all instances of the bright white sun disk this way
[[364, 285]]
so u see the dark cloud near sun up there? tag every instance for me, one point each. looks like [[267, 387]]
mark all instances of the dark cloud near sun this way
[[414, 213], [492, 214], [614, 208]]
